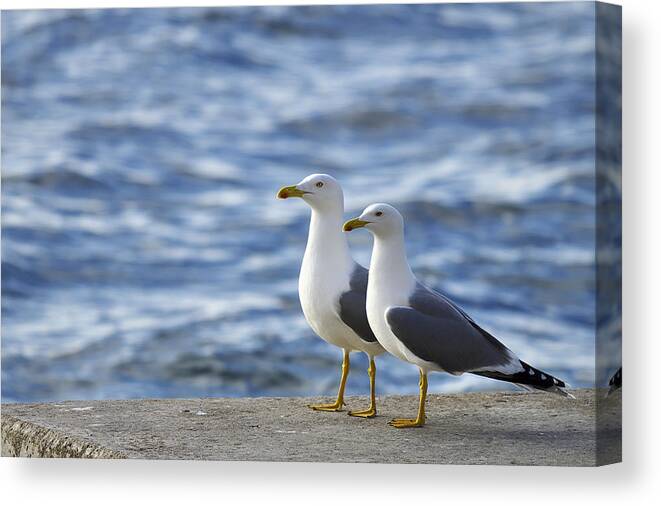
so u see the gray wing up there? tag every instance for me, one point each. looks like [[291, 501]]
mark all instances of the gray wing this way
[[438, 331], [352, 305]]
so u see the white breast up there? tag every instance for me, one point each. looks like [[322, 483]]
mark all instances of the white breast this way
[[319, 291], [381, 295], [391, 283], [325, 275]]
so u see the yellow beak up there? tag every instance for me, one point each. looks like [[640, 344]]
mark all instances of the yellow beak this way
[[354, 224], [290, 191]]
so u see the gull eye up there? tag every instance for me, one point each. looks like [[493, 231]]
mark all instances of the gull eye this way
[[379, 213], [319, 184]]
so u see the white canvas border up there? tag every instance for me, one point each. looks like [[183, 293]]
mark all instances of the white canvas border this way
[[104, 482]]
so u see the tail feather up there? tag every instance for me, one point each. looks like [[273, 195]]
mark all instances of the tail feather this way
[[530, 378]]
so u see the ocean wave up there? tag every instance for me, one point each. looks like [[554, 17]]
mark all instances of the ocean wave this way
[[145, 253]]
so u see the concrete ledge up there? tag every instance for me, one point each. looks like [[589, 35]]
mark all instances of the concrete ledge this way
[[476, 428], [26, 439]]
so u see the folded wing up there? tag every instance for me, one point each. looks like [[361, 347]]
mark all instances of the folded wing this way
[[436, 330], [352, 305]]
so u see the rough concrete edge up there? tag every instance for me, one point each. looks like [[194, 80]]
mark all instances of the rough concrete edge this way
[[609, 442], [27, 439]]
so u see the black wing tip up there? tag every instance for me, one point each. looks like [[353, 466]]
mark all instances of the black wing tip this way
[[529, 377], [541, 379], [615, 383], [616, 379]]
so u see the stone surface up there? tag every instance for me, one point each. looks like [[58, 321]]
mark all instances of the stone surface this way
[[476, 428]]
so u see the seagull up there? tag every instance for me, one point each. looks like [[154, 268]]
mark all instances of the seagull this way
[[332, 287], [423, 327]]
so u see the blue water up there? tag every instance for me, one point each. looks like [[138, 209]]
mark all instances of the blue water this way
[[143, 250]]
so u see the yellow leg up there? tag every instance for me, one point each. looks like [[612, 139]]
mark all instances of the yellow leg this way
[[339, 402], [371, 411], [403, 423]]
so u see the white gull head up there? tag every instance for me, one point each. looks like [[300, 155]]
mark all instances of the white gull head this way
[[320, 191], [382, 220]]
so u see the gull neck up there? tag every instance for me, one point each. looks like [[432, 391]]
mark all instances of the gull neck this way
[[326, 238], [389, 261]]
